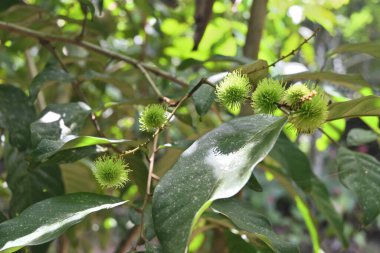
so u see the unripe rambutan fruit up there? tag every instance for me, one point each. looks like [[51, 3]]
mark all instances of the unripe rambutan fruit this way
[[268, 94], [294, 94], [311, 114], [233, 90], [153, 117], [111, 172]]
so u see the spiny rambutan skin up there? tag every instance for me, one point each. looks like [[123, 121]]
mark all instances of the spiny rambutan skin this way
[[232, 91], [111, 172], [294, 94], [268, 94], [311, 114], [153, 117]]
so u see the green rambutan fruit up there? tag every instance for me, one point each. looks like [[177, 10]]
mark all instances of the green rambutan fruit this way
[[311, 114], [111, 171], [268, 94], [233, 90], [152, 118], [294, 94]]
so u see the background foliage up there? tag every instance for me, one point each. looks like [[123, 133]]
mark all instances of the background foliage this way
[[76, 74]]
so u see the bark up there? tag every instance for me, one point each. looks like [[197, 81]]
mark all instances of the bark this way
[[256, 25]]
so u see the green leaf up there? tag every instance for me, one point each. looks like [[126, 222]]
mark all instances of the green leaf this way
[[85, 141], [51, 74], [48, 219], [294, 161], [258, 226], [30, 185], [364, 106], [358, 136], [361, 173], [203, 99], [254, 184], [371, 48], [354, 82], [16, 115], [256, 70], [216, 166], [56, 126]]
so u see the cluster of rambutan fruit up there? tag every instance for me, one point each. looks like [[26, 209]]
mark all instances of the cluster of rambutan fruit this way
[[305, 105]]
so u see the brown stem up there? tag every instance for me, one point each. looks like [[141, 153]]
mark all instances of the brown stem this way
[[89, 46]]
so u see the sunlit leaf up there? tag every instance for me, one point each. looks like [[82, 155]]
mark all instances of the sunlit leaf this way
[[48, 219]]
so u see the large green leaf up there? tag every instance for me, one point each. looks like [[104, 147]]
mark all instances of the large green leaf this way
[[256, 225], [361, 173], [351, 81], [371, 48], [46, 220], [16, 115], [364, 106], [30, 184], [51, 74], [216, 166], [294, 161], [358, 136]]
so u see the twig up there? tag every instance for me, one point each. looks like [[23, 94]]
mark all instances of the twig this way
[[84, 22], [293, 52], [150, 80], [89, 46], [151, 166], [336, 144]]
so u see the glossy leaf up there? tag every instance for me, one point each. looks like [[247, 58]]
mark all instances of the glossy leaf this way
[[85, 141], [364, 106], [371, 48], [16, 115], [246, 220], [361, 173], [294, 161], [48, 219], [216, 166], [51, 74], [351, 81], [358, 136]]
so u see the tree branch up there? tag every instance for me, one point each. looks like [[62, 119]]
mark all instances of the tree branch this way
[[89, 46], [256, 25]]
